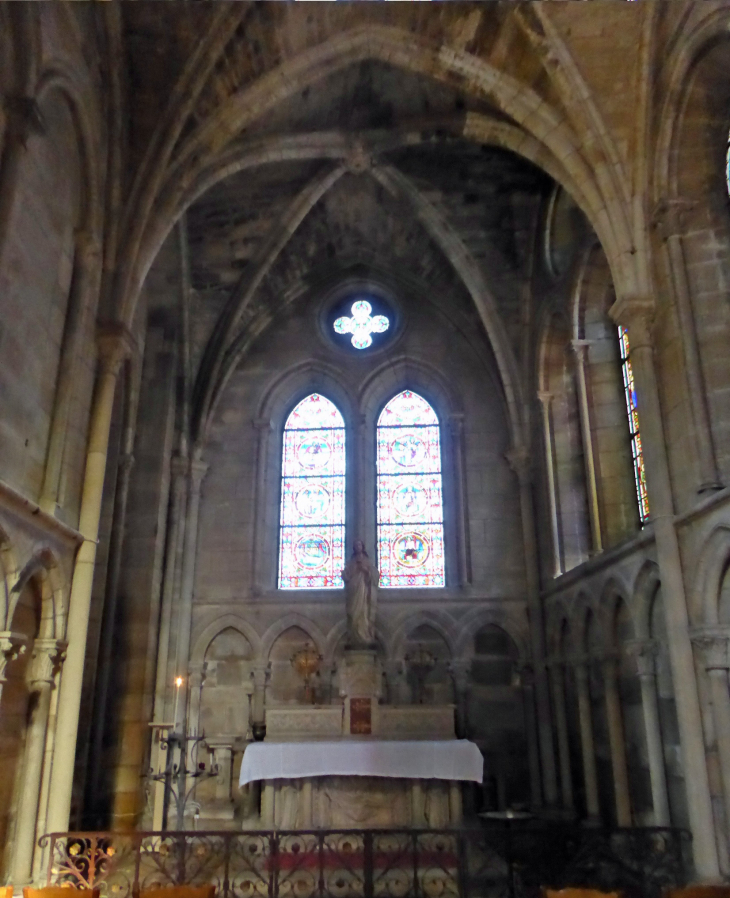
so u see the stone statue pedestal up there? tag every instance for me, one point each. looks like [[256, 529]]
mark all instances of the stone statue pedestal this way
[[361, 678]]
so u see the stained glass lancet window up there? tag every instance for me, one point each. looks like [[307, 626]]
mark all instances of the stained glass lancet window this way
[[312, 520], [633, 414], [410, 500]]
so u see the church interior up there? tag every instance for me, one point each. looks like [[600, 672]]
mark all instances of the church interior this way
[[364, 436]]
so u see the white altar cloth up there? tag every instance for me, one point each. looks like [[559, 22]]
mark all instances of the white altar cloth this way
[[452, 759]]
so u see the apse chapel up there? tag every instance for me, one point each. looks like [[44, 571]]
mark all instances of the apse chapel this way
[[364, 427]]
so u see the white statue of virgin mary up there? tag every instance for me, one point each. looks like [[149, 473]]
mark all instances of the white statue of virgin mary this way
[[361, 579]]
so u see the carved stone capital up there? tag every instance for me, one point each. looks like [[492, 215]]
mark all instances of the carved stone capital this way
[[12, 645], [636, 313], [520, 460], [47, 657], [198, 470], [196, 674], [643, 653], [545, 397], [526, 672], [460, 672], [579, 348], [713, 643], [115, 343], [260, 673], [88, 245]]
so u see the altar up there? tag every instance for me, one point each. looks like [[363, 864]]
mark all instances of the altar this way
[[361, 782], [358, 762]]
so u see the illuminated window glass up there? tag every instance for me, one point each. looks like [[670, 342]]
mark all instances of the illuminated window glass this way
[[312, 521], [410, 503], [638, 455]]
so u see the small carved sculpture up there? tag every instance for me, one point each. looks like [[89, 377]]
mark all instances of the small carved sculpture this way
[[361, 579]]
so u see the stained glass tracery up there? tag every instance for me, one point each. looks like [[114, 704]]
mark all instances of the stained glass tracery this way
[[410, 494], [633, 415], [312, 516]]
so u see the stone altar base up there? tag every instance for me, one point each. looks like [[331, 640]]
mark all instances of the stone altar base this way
[[360, 802]]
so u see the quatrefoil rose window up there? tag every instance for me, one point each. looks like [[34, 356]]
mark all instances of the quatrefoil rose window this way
[[361, 324]]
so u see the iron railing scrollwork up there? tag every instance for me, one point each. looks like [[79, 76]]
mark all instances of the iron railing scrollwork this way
[[497, 860]]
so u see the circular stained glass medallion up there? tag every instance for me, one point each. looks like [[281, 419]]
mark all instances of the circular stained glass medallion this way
[[410, 501], [411, 549], [312, 501], [312, 552], [408, 450], [314, 452]]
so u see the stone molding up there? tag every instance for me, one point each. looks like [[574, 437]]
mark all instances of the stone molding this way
[[713, 643], [115, 343], [47, 657], [636, 313], [643, 653]]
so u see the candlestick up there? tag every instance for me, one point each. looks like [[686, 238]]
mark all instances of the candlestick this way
[[178, 684]]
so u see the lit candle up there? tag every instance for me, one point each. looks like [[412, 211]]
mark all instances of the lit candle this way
[[178, 684]]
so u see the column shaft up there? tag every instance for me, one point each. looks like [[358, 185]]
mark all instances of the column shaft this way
[[197, 472], [652, 728], [162, 686], [113, 348], [721, 711], [637, 313], [557, 680], [41, 674], [587, 440], [617, 744], [590, 777], [533, 741], [709, 478], [547, 426], [519, 459]]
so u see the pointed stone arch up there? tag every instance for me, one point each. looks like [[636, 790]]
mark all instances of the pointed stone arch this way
[[230, 621], [292, 620]]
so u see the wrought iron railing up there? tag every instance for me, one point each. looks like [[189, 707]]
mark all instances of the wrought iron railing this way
[[493, 861]]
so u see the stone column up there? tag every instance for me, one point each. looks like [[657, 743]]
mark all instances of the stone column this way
[[585, 717], [519, 460], [163, 680], [47, 656], [579, 348], [461, 677], [644, 654], [713, 646], [187, 583], [196, 678], [527, 682], [557, 681], [547, 427], [114, 344], [636, 313], [701, 430], [617, 743], [260, 673], [264, 429], [83, 290], [456, 425]]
